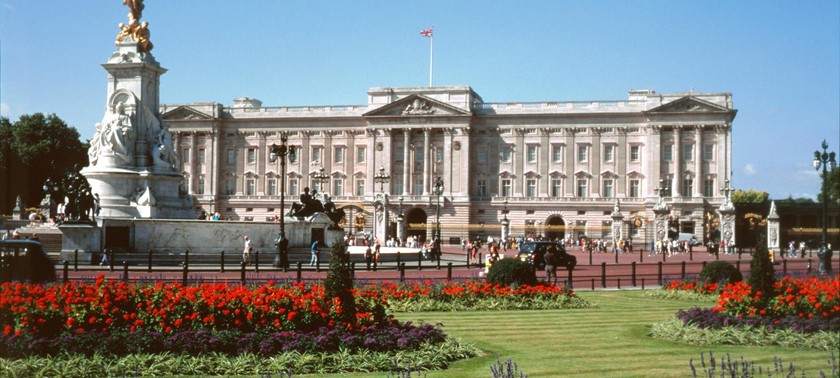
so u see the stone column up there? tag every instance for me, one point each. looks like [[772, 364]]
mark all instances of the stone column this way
[[406, 161], [401, 229], [426, 162], [505, 229], [698, 161], [676, 154], [773, 229]]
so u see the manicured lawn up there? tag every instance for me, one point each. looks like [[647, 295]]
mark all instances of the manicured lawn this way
[[610, 341]]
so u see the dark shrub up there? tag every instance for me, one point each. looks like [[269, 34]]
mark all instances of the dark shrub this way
[[339, 282], [720, 272], [509, 272], [762, 276]]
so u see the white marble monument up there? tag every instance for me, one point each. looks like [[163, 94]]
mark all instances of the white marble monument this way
[[133, 163]]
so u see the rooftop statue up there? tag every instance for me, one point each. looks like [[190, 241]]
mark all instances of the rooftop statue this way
[[139, 32]]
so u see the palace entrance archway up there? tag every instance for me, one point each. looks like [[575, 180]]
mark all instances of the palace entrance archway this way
[[416, 223], [555, 228]]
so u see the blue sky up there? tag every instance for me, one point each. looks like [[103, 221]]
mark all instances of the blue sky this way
[[780, 60]]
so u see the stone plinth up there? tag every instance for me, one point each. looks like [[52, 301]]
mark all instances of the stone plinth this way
[[84, 237]]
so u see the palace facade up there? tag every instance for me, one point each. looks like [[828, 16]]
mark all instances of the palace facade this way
[[554, 168]]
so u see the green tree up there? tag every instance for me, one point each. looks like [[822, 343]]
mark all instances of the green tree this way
[[750, 196], [790, 199], [32, 149], [832, 187]]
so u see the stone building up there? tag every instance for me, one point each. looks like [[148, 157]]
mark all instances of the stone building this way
[[554, 168]]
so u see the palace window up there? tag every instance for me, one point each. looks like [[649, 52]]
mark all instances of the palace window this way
[[505, 154], [481, 188], [231, 156], [361, 154], [556, 188], [709, 187], [635, 188], [635, 153], [271, 187], [688, 152], [708, 152], [200, 189], [338, 187], [398, 184], [439, 154], [399, 154], [557, 153], [531, 188], [418, 186], [583, 151], [667, 153], [607, 190], [687, 187], [252, 155], [360, 187], [481, 155], [581, 188], [230, 186], [506, 188], [293, 187], [532, 153], [609, 150], [418, 155], [316, 155], [185, 156], [249, 187], [338, 156], [200, 156]]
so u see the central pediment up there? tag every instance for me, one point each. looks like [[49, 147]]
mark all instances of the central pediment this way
[[689, 104], [185, 113], [417, 105]]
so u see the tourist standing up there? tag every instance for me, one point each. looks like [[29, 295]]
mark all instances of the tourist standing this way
[[246, 251], [550, 268], [314, 251]]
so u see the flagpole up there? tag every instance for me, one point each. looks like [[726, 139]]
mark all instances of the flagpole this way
[[431, 57]]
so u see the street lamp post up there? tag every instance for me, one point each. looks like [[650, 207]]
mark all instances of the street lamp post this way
[[827, 161], [321, 177], [50, 190], [438, 191], [282, 151], [382, 178]]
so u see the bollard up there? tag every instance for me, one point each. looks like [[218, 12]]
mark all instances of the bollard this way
[[604, 275], [402, 271], [110, 253], [618, 282], [590, 256], [664, 253], [570, 279], [704, 265], [690, 254], [149, 262], [659, 273], [449, 271], [616, 256], [593, 284], [299, 268], [66, 268], [641, 256], [76, 260], [784, 266], [478, 263], [257, 261], [438, 263], [222, 263], [242, 272], [738, 265], [125, 271], [643, 283], [187, 257], [740, 250], [398, 258], [682, 270], [809, 266], [185, 274], [352, 270], [633, 274], [419, 261], [318, 264]]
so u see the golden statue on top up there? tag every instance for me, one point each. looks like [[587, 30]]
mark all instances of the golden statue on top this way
[[137, 31]]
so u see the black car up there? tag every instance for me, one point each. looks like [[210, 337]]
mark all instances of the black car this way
[[25, 260], [534, 250]]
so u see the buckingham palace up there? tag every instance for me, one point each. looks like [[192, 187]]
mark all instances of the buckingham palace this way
[[556, 168]]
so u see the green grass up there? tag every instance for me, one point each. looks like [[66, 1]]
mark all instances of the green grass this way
[[610, 341]]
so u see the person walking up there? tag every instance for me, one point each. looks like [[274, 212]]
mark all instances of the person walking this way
[[550, 267], [246, 251], [315, 252]]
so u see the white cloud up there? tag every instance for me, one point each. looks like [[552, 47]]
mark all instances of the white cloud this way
[[4, 109], [749, 169]]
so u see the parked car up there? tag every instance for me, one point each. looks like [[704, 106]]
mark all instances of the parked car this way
[[533, 251], [25, 260], [690, 238]]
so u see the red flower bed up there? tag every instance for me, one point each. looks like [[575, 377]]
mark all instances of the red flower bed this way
[[451, 291], [50, 310], [804, 298], [694, 286]]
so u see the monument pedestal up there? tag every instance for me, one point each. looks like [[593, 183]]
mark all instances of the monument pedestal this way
[[83, 237]]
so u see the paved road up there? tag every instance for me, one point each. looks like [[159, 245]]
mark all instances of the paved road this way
[[603, 272]]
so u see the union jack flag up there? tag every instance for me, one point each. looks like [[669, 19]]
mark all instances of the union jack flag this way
[[426, 32]]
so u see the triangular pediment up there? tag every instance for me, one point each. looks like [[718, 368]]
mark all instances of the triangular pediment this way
[[185, 113], [689, 104], [417, 105]]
